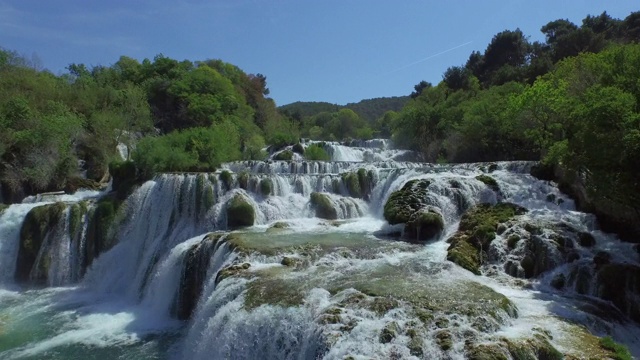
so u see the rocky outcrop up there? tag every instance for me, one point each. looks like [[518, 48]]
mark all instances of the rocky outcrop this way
[[240, 212], [477, 230]]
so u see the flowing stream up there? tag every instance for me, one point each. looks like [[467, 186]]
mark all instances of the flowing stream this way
[[175, 283]]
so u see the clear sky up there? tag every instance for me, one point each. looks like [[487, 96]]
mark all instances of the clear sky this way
[[338, 51]]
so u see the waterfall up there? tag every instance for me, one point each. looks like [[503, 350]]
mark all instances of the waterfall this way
[[165, 275]]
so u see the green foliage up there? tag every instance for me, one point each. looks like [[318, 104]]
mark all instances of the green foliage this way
[[620, 352], [195, 149], [285, 155], [316, 152]]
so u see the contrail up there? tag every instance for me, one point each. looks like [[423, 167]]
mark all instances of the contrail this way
[[432, 56]]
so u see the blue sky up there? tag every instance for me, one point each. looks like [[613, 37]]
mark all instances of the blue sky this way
[[338, 51]]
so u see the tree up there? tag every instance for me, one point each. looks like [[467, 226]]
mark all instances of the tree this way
[[419, 88]]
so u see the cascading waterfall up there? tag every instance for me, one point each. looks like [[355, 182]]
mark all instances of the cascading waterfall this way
[[171, 281]]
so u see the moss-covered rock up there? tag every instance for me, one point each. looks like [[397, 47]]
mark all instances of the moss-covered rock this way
[[404, 203], [489, 181], [443, 339], [323, 206], [285, 155], [278, 226], [100, 234], [266, 187], [243, 180], [486, 352], [352, 184], [37, 224], [75, 183], [3, 207], [476, 232], [298, 149], [227, 179], [424, 225], [240, 212]]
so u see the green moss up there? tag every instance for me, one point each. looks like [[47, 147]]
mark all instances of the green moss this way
[[619, 351], [266, 187], [227, 179], [464, 254], [404, 203], [240, 212], [3, 207], [489, 181], [285, 155], [323, 206]]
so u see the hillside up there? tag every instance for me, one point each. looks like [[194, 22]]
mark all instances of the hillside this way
[[368, 109]]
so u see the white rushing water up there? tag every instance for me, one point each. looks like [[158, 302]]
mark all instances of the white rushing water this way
[[328, 304]]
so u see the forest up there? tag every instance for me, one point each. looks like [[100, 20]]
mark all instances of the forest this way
[[572, 100]]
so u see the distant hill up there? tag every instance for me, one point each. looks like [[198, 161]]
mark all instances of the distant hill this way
[[369, 109]]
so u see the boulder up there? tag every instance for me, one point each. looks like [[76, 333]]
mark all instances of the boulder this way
[[240, 212], [424, 225], [323, 206]]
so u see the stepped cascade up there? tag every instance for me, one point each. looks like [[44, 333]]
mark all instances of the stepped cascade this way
[[372, 254]]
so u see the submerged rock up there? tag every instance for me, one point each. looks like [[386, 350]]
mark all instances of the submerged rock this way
[[240, 212]]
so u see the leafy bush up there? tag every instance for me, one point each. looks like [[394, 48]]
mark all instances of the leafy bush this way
[[316, 152]]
